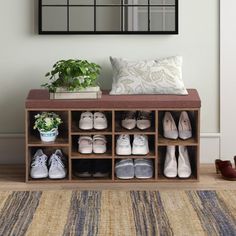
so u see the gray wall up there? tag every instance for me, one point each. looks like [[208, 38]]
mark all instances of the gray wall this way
[[26, 56]]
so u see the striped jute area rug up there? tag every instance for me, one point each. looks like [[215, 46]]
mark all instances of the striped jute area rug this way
[[118, 213]]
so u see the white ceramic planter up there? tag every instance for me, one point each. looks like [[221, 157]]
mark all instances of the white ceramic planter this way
[[49, 136]]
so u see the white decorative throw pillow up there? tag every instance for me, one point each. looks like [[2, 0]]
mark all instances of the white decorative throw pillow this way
[[162, 76]]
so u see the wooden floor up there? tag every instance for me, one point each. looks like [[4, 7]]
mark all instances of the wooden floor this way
[[12, 179]]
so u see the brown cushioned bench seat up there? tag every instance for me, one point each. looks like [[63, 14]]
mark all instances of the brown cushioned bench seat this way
[[39, 99]]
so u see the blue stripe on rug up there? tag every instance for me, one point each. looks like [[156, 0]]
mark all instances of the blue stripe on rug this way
[[17, 212], [149, 215], [84, 213], [214, 217]]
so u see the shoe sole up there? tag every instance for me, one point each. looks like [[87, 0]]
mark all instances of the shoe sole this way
[[85, 152], [123, 153], [143, 177], [99, 151], [137, 152], [40, 177], [230, 179], [87, 175], [100, 175], [86, 127], [57, 177], [125, 177], [99, 127]]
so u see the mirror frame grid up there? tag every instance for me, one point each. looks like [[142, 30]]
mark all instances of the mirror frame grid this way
[[122, 5]]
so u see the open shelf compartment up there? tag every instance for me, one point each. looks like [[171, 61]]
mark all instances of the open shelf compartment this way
[[193, 154], [75, 118], [48, 151], [34, 135]]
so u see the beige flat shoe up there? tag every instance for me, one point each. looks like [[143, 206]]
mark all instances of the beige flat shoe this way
[[85, 144], [99, 144]]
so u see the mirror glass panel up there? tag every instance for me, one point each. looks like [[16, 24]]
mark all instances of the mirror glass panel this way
[[81, 19], [108, 16], [54, 19]]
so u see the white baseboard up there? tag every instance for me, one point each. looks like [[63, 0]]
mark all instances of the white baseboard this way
[[12, 150]]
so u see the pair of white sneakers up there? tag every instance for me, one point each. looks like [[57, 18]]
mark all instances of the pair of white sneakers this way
[[56, 164], [184, 130], [88, 121], [171, 168], [139, 147]]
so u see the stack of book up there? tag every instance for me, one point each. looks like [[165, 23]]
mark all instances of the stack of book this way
[[87, 93]]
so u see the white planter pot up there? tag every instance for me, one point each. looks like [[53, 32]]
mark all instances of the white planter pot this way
[[49, 136]]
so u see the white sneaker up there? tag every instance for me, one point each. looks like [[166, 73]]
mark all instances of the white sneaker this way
[[86, 120], [185, 129], [144, 120], [39, 168], [57, 169], [140, 145], [100, 121], [170, 166], [129, 120], [169, 126], [123, 146], [184, 167]]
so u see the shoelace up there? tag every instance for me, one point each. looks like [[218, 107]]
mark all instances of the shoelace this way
[[56, 161], [124, 140], [139, 140], [39, 161]]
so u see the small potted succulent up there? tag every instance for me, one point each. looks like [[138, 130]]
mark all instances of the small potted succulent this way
[[47, 124], [72, 75]]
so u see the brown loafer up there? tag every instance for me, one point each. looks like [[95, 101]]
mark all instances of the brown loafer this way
[[226, 169]]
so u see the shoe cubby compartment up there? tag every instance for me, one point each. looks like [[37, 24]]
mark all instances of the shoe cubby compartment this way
[[193, 117], [75, 118], [34, 135], [92, 169], [48, 151], [119, 115], [140, 170], [151, 145], [75, 148], [192, 153], [114, 108]]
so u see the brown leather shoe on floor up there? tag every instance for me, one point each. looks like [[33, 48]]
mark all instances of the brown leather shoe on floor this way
[[226, 169]]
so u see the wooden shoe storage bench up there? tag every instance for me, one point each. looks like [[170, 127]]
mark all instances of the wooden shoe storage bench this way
[[113, 106]]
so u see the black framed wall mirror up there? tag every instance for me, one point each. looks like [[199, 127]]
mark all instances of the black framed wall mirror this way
[[108, 16]]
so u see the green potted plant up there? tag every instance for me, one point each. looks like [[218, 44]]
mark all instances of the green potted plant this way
[[47, 124], [72, 75]]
